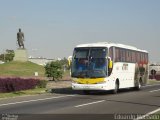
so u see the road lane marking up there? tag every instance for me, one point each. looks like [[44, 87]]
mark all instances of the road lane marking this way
[[90, 103], [154, 90], [35, 100], [151, 85], [148, 114]]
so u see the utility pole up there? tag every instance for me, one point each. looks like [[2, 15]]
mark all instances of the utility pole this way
[[4, 56]]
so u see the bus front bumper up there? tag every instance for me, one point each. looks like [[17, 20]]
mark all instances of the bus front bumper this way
[[76, 86]]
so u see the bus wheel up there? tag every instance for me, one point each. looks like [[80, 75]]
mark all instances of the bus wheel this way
[[115, 91], [138, 85]]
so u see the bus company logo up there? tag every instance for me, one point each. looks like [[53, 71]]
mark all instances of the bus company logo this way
[[136, 117], [125, 67], [9, 117]]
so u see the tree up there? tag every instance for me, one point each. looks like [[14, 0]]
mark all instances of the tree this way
[[64, 63], [153, 73], [7, 56], [54, 70]]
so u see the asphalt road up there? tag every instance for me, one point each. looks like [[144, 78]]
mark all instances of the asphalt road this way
[[69, 103]]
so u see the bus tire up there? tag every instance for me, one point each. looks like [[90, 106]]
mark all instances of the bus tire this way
[[115, 91], [86, 92], [138, 85]]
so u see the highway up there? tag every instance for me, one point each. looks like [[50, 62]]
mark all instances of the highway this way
[[76, 103]]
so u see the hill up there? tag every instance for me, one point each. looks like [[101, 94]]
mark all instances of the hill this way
[[21, 69]]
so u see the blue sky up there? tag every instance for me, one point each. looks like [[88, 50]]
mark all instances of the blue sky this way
[[53, 28]]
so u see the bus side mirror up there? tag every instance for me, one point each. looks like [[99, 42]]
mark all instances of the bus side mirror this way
[[110, 63], [69, 60]]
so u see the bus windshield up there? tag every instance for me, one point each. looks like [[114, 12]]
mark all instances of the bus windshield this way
[[89, 63]]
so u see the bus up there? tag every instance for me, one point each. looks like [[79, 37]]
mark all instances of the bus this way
[[108, 66]]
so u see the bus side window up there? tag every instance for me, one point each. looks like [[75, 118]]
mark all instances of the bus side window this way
[[111, 52], [117, 55]]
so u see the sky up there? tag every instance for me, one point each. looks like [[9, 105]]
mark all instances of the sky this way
[[52, 28]]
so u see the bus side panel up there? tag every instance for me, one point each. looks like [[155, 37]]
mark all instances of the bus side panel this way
[[124, 72]]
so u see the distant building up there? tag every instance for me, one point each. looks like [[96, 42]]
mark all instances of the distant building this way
[[1, 62], [154, 71], [40, 61], [155, 67]]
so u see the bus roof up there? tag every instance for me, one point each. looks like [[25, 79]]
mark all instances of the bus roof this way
[[106, 44]]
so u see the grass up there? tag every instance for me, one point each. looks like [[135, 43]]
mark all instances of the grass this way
[[21, 69], [24, 92], [24, 69], [152, 82]]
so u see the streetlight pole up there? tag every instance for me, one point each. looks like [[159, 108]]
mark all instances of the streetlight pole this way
[[4, 56]]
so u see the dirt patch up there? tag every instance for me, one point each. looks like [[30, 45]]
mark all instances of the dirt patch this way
[[58, 84], [59, 87]]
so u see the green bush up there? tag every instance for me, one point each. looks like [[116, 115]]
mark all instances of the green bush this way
[[54, 70]]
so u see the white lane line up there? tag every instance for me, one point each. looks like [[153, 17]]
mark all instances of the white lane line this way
[[151, 85], [35, 100], [154, 90], [148, 114], [90, 103]]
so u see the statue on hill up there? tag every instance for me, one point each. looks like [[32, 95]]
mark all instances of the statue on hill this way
[[20, 39], [21, 53]]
